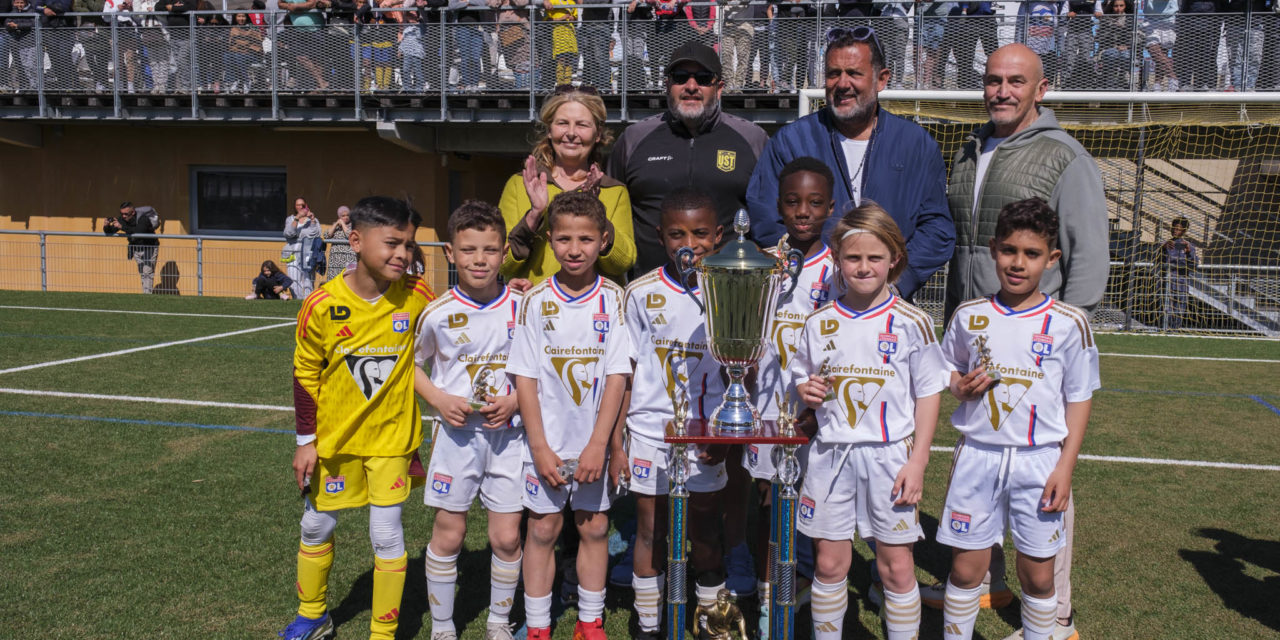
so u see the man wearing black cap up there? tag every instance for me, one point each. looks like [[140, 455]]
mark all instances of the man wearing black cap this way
[[693, 144], [140, 250]]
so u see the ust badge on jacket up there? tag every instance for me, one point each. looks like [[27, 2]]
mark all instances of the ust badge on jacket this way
[[726, 160]]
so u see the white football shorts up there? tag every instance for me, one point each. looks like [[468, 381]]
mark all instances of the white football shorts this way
[[539, 498], [466, 462], [648, 467], [757, 459], [848, 488], [996, 488]]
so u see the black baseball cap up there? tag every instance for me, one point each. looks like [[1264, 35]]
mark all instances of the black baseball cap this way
[[697, 52]]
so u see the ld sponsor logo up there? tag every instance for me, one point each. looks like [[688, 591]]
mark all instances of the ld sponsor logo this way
[[339, 313], [978, 323], [457, 320], [655, 301]]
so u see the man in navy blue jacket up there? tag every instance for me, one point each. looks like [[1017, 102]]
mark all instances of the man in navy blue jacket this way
[[875, 154]]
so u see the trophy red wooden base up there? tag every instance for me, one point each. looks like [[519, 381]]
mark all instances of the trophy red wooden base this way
[[782, 535]]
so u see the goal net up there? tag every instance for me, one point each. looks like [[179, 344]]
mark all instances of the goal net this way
[[1211, 159]]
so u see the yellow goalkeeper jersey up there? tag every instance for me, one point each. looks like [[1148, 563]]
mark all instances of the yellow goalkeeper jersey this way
[[353, 369]]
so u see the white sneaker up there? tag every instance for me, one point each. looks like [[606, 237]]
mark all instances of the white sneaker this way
[[1060, 632], [444, 635], [498, 631]]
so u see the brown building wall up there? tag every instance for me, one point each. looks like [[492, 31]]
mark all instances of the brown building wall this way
[[81, 173]]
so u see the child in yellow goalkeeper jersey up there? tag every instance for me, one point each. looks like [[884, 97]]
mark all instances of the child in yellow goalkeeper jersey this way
[[358, 421]]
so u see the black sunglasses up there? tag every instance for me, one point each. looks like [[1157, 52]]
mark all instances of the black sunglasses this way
[[858, 34], [704, 78], [562, 89]]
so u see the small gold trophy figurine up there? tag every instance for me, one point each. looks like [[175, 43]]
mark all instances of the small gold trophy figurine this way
[[480, 390], [720, 619], [984, 358], [824, 372]]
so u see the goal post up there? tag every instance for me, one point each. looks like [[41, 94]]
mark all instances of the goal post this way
[[1209, 158]]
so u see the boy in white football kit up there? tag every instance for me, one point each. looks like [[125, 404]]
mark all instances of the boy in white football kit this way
[[464, 338], [669, 348], [570, 363], [1024, 367], [869, 364], [804, 203]]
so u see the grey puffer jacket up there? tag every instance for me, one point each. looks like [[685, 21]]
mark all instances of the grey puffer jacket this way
[[1041, 160]]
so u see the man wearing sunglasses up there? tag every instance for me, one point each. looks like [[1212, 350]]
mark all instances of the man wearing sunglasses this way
[[692, 144], [874, 154]]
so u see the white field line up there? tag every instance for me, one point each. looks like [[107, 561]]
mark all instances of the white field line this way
[[145, 313], [269, 407], [162, 345], [1140, 355], [1162, 461]]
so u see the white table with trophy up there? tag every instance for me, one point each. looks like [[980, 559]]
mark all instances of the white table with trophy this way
[[738, 290]]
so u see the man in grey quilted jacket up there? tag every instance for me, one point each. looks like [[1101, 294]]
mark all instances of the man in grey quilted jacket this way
[[1020, 153]]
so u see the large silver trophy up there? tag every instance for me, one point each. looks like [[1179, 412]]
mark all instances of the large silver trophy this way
[[740, 287]]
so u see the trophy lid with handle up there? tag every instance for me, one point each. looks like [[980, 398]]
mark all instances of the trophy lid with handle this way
[[741, 253]]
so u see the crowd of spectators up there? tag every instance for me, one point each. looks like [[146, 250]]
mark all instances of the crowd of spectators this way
[[226, 45]]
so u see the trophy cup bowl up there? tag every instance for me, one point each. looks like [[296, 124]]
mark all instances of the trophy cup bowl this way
[[739, 287]]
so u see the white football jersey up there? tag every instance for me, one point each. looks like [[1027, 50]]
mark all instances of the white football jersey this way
[[669, 347], [569, 344], [1046, 358], [464, 343], [817, 282], [882, 359]]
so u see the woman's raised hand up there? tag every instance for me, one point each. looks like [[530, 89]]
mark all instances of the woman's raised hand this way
[[535, 185]]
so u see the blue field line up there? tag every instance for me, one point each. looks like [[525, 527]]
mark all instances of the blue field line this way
[[1203, 394], [1266, 404], [152, 423]]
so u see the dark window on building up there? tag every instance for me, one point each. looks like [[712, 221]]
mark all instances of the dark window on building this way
[[239, 201]]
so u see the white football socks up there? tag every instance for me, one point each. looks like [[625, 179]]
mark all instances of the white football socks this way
[[960, 611], [537, 611], [442, 577], [902, 614], [829, 604], [1039, 616], [590, 604], [648, 602], [503, 578]]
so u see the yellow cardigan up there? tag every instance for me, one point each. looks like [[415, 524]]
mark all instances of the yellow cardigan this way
[[541, 262]]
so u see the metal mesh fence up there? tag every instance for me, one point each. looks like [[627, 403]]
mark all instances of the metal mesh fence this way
[[928, 45]]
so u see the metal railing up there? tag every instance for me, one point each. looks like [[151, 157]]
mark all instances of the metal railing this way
[[509, 50], [199, 265], [1140, 296]]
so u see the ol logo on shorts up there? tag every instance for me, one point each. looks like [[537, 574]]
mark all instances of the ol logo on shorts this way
[[806, 508], [440, 483], [959, 522], [530, 484], [640, 468], [400, 322], [753, 455], [334, 484]]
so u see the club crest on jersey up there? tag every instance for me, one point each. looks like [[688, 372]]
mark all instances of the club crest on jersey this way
[[1042, 345], [400, 322], [640, 468], [511, 330], [806, 508], [959, 522], [753, 455], [440, 483], [887, 344], [818, 293], [600, 322], [334, 484], [530, 484], [726, 160]]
